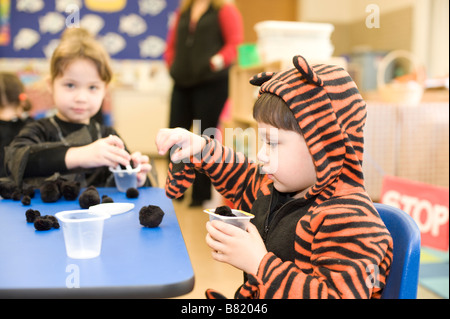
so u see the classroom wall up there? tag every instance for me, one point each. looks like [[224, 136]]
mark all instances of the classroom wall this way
[[419, 26], [352, 32], [254, 11]]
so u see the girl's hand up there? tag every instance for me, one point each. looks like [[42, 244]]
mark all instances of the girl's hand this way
[[144, 161], [234, 246], [109, 151], [188, 143]]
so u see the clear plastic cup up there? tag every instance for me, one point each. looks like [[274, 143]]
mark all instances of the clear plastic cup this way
[[241, 218], [83, 232], [125, 178]]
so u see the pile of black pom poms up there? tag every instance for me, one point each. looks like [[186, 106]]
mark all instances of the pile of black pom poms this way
[[107, 199], [9, 190], [46, 222], [52, 191]]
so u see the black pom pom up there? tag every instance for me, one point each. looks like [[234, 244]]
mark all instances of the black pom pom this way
[[26, 200], [28, 190], [89, 197], [7, 189], [224, 211], [151, 216], [132, 193], [16, 195], [53, 220], [31, 215], [42, 224], [107, 199], [70, 189], [46, 222], [124, 167], [50, 192]]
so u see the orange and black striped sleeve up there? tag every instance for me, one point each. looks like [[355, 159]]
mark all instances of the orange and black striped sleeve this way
[[231, 173]]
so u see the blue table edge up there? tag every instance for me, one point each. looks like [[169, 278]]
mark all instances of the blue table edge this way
[[154, 291]]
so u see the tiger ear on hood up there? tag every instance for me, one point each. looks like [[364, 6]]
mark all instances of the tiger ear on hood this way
[[261, 78], [304, 68]]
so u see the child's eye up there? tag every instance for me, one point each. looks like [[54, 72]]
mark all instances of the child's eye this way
[[271, 143], [93, 88], [69, 85], [268, 142]]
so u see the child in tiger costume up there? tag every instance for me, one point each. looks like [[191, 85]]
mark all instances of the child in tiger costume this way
[[316, 233]]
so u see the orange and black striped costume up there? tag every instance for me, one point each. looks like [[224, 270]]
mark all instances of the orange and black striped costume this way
[[338, 246]]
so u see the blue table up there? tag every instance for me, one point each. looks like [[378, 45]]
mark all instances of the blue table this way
[[135, 262]]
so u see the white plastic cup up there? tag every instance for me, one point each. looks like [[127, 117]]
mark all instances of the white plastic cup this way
[[241, 218], [125, 178], [83, 232]]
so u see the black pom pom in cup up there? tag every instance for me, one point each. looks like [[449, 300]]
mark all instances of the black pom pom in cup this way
[[237, 217], [125, 178]]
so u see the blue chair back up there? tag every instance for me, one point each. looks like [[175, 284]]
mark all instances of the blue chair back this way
[[403, 278]]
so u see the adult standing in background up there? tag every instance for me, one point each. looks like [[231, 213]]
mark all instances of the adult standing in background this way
[[201, 47]]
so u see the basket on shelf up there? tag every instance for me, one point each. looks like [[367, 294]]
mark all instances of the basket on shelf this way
[[408, 89]]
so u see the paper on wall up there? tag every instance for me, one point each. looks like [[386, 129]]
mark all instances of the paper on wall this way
[[152, 47], [52, 22], [151, 7], [63, 5], [132, 24], [93, 23], [113, 43], [29, 6], [26, 39]]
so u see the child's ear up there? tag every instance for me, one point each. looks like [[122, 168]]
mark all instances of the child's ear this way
[[305, 69]]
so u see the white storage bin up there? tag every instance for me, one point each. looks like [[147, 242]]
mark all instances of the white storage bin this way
[[281, 40]]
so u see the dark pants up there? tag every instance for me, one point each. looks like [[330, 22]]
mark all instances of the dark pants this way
[[203, 102]]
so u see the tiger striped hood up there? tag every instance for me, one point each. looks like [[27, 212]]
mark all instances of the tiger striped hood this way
[[331, 115]]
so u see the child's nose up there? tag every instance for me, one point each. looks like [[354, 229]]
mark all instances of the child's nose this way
[[262, 155], [81, 96]]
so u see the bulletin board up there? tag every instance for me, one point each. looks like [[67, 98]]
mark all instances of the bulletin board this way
[[129, 29]]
